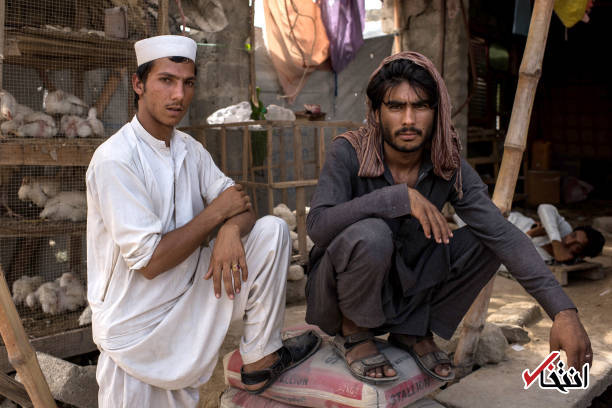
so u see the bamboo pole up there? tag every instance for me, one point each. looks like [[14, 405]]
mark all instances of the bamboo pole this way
[[252, 77], [162, 18], [514, 146], [2, 16], [397, 45], [20, 353]]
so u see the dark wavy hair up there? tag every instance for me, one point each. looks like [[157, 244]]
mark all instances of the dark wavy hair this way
[[396, 72], [143, 71], [596, 241]]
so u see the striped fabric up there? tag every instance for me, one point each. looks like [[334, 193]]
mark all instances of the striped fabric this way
[[445, 145]]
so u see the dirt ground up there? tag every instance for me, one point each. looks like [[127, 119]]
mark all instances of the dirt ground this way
[[593, 299]]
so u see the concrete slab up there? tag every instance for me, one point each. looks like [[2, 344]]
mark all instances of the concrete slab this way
[[501, 385]]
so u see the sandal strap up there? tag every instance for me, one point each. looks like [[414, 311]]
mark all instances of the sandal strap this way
[[354, 339], [434, 358], [255, 377], [366, 364]]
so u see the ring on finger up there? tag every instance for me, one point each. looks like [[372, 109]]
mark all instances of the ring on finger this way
[[235, 267]]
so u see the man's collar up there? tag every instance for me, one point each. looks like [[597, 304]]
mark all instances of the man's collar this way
[[148, 138]]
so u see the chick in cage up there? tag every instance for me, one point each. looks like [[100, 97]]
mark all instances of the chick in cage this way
[[66, 205], [38, 189], [61, 295], [72, 126], [24, 286], [59, 106], [37, 124], [63, 103]]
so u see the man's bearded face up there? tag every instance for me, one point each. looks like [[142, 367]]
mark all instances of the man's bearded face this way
[[406, 118]]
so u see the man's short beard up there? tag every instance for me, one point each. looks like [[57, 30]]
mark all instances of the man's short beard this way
[[389, 140]]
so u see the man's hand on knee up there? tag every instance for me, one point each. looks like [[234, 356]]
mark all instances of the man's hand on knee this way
[[568, 334], [429, 216], [228, 262]]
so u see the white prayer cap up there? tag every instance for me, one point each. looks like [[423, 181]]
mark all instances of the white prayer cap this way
[[162, 46]]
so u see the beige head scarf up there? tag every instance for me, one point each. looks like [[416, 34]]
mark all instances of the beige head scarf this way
[[445, 146]]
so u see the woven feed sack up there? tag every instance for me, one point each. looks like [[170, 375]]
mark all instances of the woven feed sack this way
[[235, 398], [324, 381]]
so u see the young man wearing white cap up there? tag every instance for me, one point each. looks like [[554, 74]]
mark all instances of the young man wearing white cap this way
[[155, 289]]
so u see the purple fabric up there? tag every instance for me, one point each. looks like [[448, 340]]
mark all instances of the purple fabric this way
[[344, 22]]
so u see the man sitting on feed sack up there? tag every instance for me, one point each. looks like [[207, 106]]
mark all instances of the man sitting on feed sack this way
[[385, 260], [153, 197]]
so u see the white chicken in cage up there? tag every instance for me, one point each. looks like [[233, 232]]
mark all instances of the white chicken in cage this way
[[74, 126], [37, 124], [97, 127], [65, 294], [63, 103], [66, 205], [45, 296], [7, 105], [72, 294], [38, 189], [85, 317], [10, 126], [24, 286]]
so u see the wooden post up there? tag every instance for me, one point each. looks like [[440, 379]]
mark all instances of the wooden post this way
[[110, 87], [162, 18], [252, 78], [252, 174], [282, 162], [20, 352], [2, 14], [245, 153], [269, 169], [14, 390], [224, 150], [300, 193], [514, 146], [397, 40]]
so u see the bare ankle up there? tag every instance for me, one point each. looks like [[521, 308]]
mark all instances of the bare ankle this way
[[262, 363]]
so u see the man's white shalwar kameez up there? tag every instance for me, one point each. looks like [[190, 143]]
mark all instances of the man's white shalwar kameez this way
[[159, 338]]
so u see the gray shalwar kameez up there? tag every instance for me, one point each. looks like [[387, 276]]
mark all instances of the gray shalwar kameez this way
[[372, 263]]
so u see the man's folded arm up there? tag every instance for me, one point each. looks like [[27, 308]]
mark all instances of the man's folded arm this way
[[333, 207]]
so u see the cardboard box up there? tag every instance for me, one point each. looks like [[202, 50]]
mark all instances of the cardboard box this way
[[541, 153], [543, 186]]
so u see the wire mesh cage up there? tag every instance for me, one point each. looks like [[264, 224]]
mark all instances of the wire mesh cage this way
[[65, 69], [278, 161]]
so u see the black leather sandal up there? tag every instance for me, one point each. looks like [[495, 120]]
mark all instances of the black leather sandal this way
[[295, 350]]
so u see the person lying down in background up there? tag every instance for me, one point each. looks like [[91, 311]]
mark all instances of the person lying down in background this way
[[553, 237]]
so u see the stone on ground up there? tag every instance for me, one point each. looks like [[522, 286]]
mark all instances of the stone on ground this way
[[515, 334], [296, 291], [491, 345], [68, 382], [517, 313], [295, 272]]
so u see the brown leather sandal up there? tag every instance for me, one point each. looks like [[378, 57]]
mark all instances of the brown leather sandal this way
[[429, 361], [360, 367]]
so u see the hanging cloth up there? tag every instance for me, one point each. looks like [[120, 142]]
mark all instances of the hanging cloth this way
[[344, 22], [296, 41], [570, 11]]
